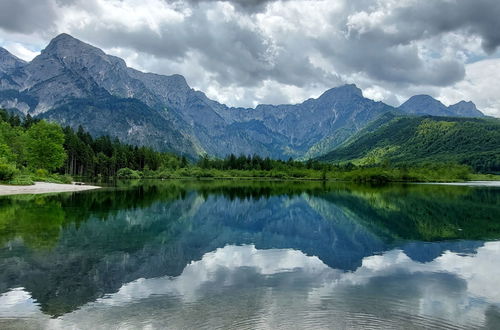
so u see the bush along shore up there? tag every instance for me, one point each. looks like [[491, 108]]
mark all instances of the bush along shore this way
[[33, 150]]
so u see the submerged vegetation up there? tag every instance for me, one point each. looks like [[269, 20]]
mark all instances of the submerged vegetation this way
[[34, 150]]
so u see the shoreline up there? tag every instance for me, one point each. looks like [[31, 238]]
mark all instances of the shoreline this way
[[493, 183], [43, 188], [47, 188]]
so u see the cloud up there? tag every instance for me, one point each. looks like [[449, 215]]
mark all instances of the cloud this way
[[249, 6], [239, 49], [429, 18], [21, 51]]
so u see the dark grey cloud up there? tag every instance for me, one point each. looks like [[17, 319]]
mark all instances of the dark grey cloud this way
[[396, 63], [251, 6], [27, 16], [425, 19], [480, 17]]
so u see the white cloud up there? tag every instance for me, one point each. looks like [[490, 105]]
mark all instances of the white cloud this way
[[17, 302], [481, 85], [20, 51]]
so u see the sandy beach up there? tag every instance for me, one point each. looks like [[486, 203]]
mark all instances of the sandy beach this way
[[42, 188]]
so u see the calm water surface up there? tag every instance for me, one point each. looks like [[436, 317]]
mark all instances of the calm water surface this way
[[197, 255]]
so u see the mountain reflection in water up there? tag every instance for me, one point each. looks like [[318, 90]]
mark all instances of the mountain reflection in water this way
[[231, 254]]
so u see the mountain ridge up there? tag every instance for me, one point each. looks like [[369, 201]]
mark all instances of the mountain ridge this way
[[427, 105]]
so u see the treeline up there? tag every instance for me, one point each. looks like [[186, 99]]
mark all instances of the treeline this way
[[257, 163], [36, 149], [257, 167]]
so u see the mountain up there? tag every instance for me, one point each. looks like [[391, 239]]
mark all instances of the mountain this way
[[75, 83], [427, 105], [412, 140]]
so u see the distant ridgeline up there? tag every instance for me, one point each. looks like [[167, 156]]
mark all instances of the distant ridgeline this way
[[410, 140], [76, 84]]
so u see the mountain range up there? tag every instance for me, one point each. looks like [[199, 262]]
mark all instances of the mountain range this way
[[75, 84]]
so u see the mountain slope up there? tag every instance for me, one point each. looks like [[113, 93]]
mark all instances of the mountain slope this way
[[132, 121], [411, 140]]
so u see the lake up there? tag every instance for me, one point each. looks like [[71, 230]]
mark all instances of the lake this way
[[242, 254]]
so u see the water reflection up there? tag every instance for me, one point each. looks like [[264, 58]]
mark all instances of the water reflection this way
[[263, 254], [282, 288]]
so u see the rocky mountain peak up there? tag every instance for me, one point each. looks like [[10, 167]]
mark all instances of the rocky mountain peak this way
[[422, 99], [466, 109], [65, 46], [344, 92], [424, 104]]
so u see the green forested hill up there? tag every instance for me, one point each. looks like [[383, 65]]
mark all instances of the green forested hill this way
[[417, 140]]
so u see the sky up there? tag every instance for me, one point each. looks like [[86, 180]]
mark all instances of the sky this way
[[247, 52]]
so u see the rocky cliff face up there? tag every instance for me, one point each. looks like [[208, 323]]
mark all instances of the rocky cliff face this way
[[75, 83]]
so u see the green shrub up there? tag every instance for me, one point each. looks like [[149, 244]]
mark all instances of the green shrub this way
[[41, 173], [67, 179], [21, 180], [7, 172], [164, 175], [183, 172], [127, 173]]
